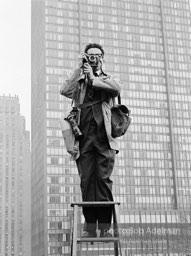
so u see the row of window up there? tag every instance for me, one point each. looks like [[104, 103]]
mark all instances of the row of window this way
[[176, 217], [181, 90], [120, 4], [99, 5], [57, 224], [130, 202], [124, 18], [150, 112], [179, 98], [151, 138], [133, 103], [57, 199], [178, 35], [146, 95], [152, 163], [143, 70], [177, 81], [58, 212], [181, 130], [60, 179], [179, 27], [59, 170], [179, 20], [150, 146], [136, 7], [58, 250], [61, 189], [70, 5], [153, 172], [179, 12], [156, 56], [179, 66], [73, 4]]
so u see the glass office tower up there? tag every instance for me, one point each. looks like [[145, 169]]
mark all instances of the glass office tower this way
[[15, 180], [147, 44]]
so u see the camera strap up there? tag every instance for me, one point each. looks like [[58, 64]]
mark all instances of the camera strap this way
[[119, 100], [91, 103]]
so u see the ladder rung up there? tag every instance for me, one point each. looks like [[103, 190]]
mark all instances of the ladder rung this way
[[95, 204], [98, 239]]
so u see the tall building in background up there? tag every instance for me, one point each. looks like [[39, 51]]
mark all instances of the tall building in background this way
[[147, 44], [15, 180]]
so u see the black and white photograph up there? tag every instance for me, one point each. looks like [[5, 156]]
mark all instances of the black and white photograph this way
[[95, 128]]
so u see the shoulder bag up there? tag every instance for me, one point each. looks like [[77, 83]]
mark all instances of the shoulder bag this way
[[120, 119]]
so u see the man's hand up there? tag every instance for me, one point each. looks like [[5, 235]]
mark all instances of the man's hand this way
[[87, 69], [81, 59]]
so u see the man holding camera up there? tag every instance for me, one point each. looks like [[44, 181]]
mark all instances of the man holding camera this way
[[93, 93]]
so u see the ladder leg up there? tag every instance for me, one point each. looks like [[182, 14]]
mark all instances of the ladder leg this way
[[115, 227], [74, 240], [115, 224], [71, 234], [118, 231], [116, 249]]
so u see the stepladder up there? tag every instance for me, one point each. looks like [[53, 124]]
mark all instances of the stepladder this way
[[77, 240]]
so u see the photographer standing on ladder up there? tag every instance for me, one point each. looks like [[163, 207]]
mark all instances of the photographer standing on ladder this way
[[93, 93]]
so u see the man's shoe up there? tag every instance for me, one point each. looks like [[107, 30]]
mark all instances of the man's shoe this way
[[105, 233], [89, 234]]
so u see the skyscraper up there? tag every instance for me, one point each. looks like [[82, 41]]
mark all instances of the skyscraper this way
[[15, 178], [147, 44]]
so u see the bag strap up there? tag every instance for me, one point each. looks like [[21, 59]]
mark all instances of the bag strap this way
[[119, 99], [119, 102]]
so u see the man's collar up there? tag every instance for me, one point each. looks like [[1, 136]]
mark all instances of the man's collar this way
[[99, 72]]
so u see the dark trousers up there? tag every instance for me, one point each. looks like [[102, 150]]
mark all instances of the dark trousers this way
[[95, 166]]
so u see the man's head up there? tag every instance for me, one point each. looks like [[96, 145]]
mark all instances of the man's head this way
[[98, 46], [95, 54]]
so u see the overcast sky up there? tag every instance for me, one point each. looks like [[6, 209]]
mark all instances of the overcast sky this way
[[15, 49], [15, 52]]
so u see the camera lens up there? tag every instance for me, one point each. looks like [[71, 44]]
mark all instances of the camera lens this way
[[92, 58]]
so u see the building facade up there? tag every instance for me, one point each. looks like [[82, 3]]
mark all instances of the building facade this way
[[147, 44], [15, 194]]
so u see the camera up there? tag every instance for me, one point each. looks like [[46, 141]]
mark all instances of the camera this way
[[72, 119], [92, 59]]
